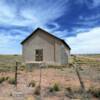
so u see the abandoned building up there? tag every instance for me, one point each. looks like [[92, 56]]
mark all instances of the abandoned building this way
[[41, 46]]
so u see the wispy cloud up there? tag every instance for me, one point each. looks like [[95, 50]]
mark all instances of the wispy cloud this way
[[89, 3], [9, 44], [19, 18], [35, 13], [63, 18]]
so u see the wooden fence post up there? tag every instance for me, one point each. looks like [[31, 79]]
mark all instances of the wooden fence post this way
[[80, 79], [16, 68], [40, 79], [75, 65], [78, 74]]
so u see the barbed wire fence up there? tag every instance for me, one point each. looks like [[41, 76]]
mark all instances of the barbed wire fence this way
[[75, 65]]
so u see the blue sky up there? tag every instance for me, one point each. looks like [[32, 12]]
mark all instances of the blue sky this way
[[75, 21]]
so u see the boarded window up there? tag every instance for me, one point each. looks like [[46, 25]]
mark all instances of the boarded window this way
[[39, 55]]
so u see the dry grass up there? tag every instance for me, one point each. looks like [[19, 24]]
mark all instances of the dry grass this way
[[7, 62], [66, 78]]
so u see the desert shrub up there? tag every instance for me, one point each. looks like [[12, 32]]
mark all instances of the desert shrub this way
[[6, 78], [51, 89], [62, 69], [55, 87], [10, 94], [2, 79], [81, 69], [95, 91], [12, 81], [70, 65], [32, 84], [37, 90], [69, 89], [22, 67]]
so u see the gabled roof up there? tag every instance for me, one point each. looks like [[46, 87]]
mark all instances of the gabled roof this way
[[48, 34]]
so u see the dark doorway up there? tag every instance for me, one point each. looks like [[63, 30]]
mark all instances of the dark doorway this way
[[39, 55]]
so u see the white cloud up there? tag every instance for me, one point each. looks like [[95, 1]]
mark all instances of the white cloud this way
[[61, 34], [90, 3], [5, 11], [31, 13], [88, 23], [91, 17], [87, 42], [96, 3], [10, 44], [43, 12], [90, 20]]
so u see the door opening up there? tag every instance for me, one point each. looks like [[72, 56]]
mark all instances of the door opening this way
[[39, 55]]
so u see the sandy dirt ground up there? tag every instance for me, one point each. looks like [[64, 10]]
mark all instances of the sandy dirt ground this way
[[64, 77]]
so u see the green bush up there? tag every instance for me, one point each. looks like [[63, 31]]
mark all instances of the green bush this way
[[6, 78], [32, 84], [69, 89], [10, 94], [12, 81], [55, 88], [51, 89], [22, 67], [95, 92], [2, 79]]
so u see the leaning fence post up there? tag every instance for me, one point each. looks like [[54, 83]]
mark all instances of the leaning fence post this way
[[80, 78]]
